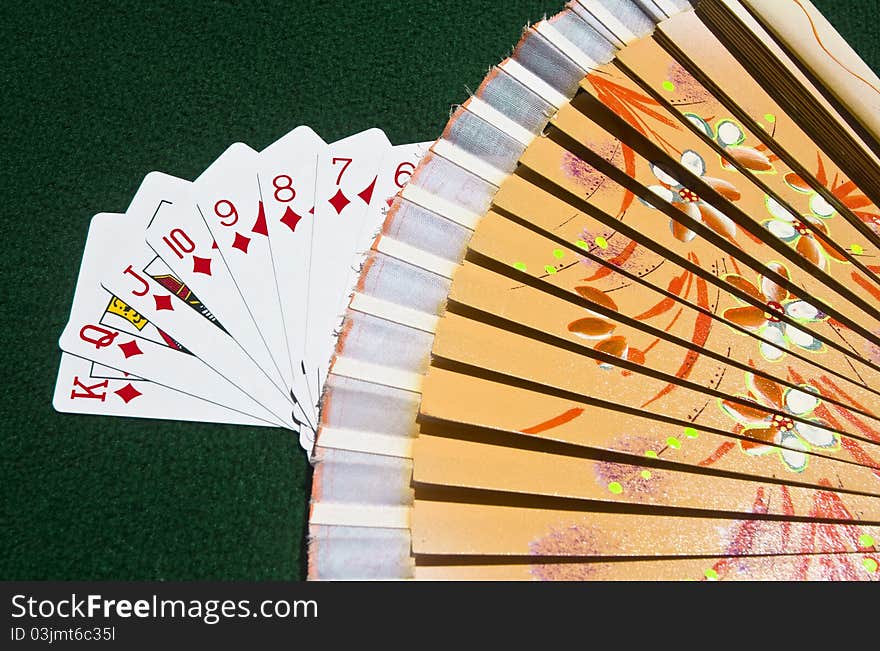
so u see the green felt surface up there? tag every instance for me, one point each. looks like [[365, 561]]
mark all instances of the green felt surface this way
[[95, 95]]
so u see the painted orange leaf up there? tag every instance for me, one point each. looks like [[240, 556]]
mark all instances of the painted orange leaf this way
[[612, 346], [596, 296], [556, 421], [867, 286], [675, 287], [749, 157], [591, 327]]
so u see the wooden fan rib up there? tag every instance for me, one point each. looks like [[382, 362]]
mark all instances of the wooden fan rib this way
[[453, 528], [559, 218], [755, 43], [848, 205], [836, 103], [673, 446], [514, 298], [521, 503], [851, 566], [646, 236], [476, 465], [497, 237]]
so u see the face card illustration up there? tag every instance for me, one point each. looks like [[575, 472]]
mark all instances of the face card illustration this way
[[86, 387], [346, 182], [286, 176]]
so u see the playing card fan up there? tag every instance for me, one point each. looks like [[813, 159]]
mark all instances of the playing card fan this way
[[219, 299], [623, 321]]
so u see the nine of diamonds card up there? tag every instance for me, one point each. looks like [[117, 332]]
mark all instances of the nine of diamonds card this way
[[218, 300]]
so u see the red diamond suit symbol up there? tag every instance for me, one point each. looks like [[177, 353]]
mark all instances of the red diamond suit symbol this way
[[367, 193], [339, 201], [130, 349], [128, 393], [290, 219], [201, 265], [163, 302], [241, 242]]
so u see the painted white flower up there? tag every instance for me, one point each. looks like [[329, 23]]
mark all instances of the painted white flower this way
[[689, 202], [777, 335], [791, 438], [799, 231]]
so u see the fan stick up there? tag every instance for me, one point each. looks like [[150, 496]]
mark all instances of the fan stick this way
[[544, 157], [597, 478], [849, 566], [739, 147], [615, 336], [490, 529], [763, 41], [547, 419], [524, 201], [547, 158], [801, 180]]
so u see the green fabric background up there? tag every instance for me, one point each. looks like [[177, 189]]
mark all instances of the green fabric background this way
[[97, 94]]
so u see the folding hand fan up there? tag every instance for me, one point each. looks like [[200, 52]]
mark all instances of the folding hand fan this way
[[622, 323]]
